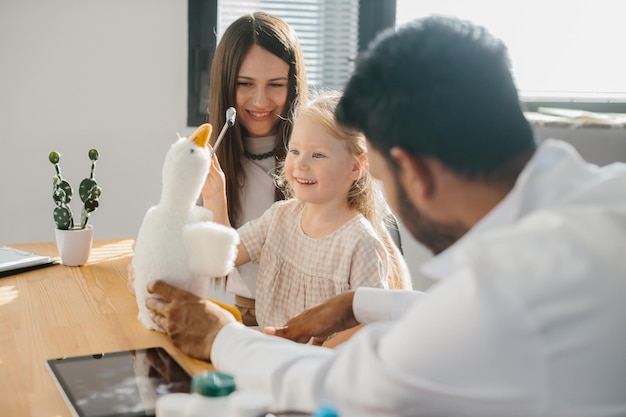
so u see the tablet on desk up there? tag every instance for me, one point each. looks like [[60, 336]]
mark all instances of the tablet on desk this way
[[118, 384]]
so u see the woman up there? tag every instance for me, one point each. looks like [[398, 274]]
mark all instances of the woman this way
[[258, 68]]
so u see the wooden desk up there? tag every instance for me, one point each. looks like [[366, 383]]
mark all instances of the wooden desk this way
[[67, 311]]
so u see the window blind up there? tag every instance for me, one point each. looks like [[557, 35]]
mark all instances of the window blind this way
[[328, 31]]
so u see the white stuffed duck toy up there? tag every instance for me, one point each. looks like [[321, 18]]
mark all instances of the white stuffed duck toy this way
[[178, 242]]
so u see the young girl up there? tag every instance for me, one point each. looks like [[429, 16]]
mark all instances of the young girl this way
[[329, 235]]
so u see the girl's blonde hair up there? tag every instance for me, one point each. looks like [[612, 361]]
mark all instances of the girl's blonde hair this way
[[365, 195]]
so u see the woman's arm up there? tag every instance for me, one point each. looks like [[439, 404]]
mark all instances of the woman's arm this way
[[214, 193], [214, 199]]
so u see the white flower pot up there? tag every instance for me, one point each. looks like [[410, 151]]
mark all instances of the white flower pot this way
[[74, 245]]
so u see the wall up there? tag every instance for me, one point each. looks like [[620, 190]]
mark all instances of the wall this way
[[600, 146], [79, 74], [112, 74]]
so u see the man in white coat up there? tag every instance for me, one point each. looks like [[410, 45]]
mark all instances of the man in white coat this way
[[529, 315]]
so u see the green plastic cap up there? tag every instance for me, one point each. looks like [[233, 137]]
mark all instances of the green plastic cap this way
[[212, 384]]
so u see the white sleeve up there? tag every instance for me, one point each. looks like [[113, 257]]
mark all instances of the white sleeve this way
[[374, 304], [285, 365], [455, 353]]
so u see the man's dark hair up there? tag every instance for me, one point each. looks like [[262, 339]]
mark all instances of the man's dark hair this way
[[439, 87]]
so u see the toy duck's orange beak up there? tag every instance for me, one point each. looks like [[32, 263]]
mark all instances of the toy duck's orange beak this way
[[202, 134]]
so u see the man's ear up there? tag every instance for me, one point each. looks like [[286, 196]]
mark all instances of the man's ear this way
[[414, 174]]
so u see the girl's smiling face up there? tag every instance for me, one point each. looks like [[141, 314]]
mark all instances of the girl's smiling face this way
[[319, 167], [261, 93]]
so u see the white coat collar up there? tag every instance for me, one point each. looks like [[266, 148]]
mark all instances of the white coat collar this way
[[552, 173]]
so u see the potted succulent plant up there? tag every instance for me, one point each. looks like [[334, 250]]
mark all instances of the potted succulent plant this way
[[74, 239]]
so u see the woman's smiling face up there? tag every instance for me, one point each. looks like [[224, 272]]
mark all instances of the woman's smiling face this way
[[261, 94]]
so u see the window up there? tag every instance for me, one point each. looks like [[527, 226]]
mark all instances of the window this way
[[561, 50], [328, 32], [331, 34]]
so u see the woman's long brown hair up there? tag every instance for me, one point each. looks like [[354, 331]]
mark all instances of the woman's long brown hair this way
[[276, 36]]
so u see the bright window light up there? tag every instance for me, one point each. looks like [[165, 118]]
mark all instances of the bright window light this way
[[559, 49]]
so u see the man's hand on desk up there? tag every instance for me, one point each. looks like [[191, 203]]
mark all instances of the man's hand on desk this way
[[318, 323], [191, 322]]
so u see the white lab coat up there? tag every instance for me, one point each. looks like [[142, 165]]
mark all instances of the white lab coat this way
[[528, 318]]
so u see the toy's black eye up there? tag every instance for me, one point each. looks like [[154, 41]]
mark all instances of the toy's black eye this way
[[191, 150]]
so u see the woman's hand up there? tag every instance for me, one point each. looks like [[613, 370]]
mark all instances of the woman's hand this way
[[318, 323], [191, 322], [214, 193]]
